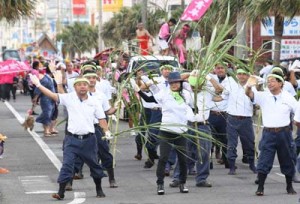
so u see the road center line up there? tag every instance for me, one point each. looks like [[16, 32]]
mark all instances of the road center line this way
[[79, 197]]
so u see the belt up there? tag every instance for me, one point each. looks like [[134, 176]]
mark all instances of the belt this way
[[80, 137], [277, 129], [217, 112], [239, 117], [202, 123], [156, 108]]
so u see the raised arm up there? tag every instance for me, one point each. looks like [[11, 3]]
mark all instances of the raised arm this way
[[43, 89]]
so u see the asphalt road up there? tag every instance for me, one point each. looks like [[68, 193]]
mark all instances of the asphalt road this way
[[34, 162]]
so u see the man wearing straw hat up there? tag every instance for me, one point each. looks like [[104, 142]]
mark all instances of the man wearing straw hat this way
[[239, 121], [277, 106], [80, 140]]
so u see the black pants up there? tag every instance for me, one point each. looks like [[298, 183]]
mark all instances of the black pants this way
[[7, 89], [179, 142]]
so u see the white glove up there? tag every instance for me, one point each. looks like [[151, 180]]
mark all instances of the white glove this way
[[117, 104], [208, 77], [252, 81], [134, 85], [260, 80], [199, 117], [35, 80], [194, 72], [108, 135], [114, 118], [149, 83], [295, 66]]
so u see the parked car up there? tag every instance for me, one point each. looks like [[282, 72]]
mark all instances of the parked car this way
[[10, 54], [151, 63]]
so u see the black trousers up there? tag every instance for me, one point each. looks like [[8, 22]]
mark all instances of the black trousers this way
[[179, 142]]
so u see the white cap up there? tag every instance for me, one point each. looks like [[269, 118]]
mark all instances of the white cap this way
[[61, 65]]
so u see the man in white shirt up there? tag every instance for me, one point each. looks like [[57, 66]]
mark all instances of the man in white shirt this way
[[217, 117], [239, 121], [80, 140], [69, 71], [277, 107]]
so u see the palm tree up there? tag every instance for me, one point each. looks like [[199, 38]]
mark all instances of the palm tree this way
[[79, 38], [12, 10]]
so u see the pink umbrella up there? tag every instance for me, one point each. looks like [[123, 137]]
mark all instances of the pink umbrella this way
[[13, 66]]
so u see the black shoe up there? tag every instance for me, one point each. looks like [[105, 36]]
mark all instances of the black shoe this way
[[232, 171], [138, 157], [260, 191], [155, 156], [69, 186], [78, 176], [57, 196], [167, 172], [252, 167], [183, 188], [148, 164], [204, 184], [160, 189], [245, 160], [174, 184]]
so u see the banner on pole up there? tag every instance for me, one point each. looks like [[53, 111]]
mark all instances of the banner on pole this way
[[79, 7], [195, 10], [112, 5]]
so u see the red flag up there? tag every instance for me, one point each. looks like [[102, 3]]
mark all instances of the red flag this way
[[195, 10]]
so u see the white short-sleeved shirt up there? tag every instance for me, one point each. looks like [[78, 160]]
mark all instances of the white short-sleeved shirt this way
[[204, 101], [72, 75], [174, 114], [81, 114], [70, 85], [289, 88], [297, 113], [221, 105], [104, 87], [275, 113], [102, 100], [239, 104]]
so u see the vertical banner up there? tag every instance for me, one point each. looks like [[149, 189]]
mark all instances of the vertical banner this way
[[79, 7], [195, 10], [112, 5]]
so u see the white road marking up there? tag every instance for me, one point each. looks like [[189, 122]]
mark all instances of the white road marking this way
[[37, 184], [280, 174], [79, 197]]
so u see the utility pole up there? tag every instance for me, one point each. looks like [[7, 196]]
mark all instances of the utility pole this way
[[144, 12], [183, 4], [100, 45], [58, 26]]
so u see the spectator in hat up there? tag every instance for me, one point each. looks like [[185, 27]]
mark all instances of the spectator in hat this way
[[175, 115]]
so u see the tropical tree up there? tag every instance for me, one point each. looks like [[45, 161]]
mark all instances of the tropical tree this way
[[12, 10], [78, 38]]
